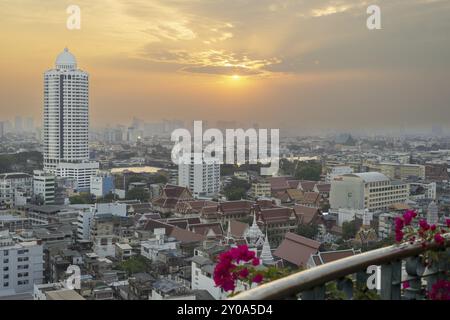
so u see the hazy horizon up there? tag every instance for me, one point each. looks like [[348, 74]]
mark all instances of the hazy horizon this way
[[311, 65]]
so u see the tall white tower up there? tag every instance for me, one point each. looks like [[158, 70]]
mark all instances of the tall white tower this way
[[66, 113], [66, 122]]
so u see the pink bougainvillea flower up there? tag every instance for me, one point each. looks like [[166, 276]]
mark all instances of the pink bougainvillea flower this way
[[447, 221], [258, 278], [399, 224], [433, 227], [406, 285], [424, 225], [227, 271], [439, 239], [440, 290], [408, 216], [228, 285], [244, 273], [399, 236]]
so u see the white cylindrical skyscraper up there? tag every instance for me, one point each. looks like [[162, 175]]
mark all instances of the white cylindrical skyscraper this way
[[66, 113]]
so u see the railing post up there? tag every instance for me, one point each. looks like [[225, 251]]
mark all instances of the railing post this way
[[361, 278], [391, 277], [437, 271], [316, 293], [346, 286], [415, 270]]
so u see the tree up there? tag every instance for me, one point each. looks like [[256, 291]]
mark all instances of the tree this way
[[159, 178], [308, 230], [235, 194], [135, 264], [110, 197], [138, 194], [82, 198], [349, 230], [227, 169], [325, 207], [237, 189], [310, 170]]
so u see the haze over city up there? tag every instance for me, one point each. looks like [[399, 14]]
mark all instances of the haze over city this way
[[201, 151], [304, 65]]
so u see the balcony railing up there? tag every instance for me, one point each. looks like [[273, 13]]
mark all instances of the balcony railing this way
[[311, 284]]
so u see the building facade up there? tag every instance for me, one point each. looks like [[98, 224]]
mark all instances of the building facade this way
[[261, 190], [369, 190], [11, 184], [66, 121], [80, 172], [44, 185], [201, 179], [101, 185], [21, 265]]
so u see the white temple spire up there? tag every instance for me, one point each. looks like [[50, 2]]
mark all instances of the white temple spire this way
[[266, 253]]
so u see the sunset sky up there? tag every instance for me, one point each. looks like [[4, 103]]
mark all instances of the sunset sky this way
[[290, 63]]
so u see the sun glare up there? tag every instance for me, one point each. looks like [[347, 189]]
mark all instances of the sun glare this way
[[236, 77]]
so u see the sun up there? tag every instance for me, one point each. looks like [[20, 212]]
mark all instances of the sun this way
[[236, 77]]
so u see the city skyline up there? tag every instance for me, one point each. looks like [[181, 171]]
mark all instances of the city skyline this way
[[288, 64]]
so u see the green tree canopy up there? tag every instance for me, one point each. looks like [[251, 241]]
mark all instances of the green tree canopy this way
[[82, 198], [135, 264], [349, 230], [308, 231], [237, 189], [310, 170], [138, 194]]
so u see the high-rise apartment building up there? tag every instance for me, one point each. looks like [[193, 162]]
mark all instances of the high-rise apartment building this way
[[66, 121], [202, 179], [66, 113]]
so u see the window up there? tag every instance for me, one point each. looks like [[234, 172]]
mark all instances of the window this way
[[5, 252], [6, 276], [5, 260], [5, 268], [6, 284]]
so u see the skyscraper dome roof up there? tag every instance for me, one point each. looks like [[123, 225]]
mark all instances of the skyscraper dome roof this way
[[66, 60]]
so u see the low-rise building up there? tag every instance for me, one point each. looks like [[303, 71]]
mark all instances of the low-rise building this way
[[123, 251], [21, 265], [81, 172], [101, 185], [44, 186], [151, 248], [10, 183], [369, 190], [261, 190]]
